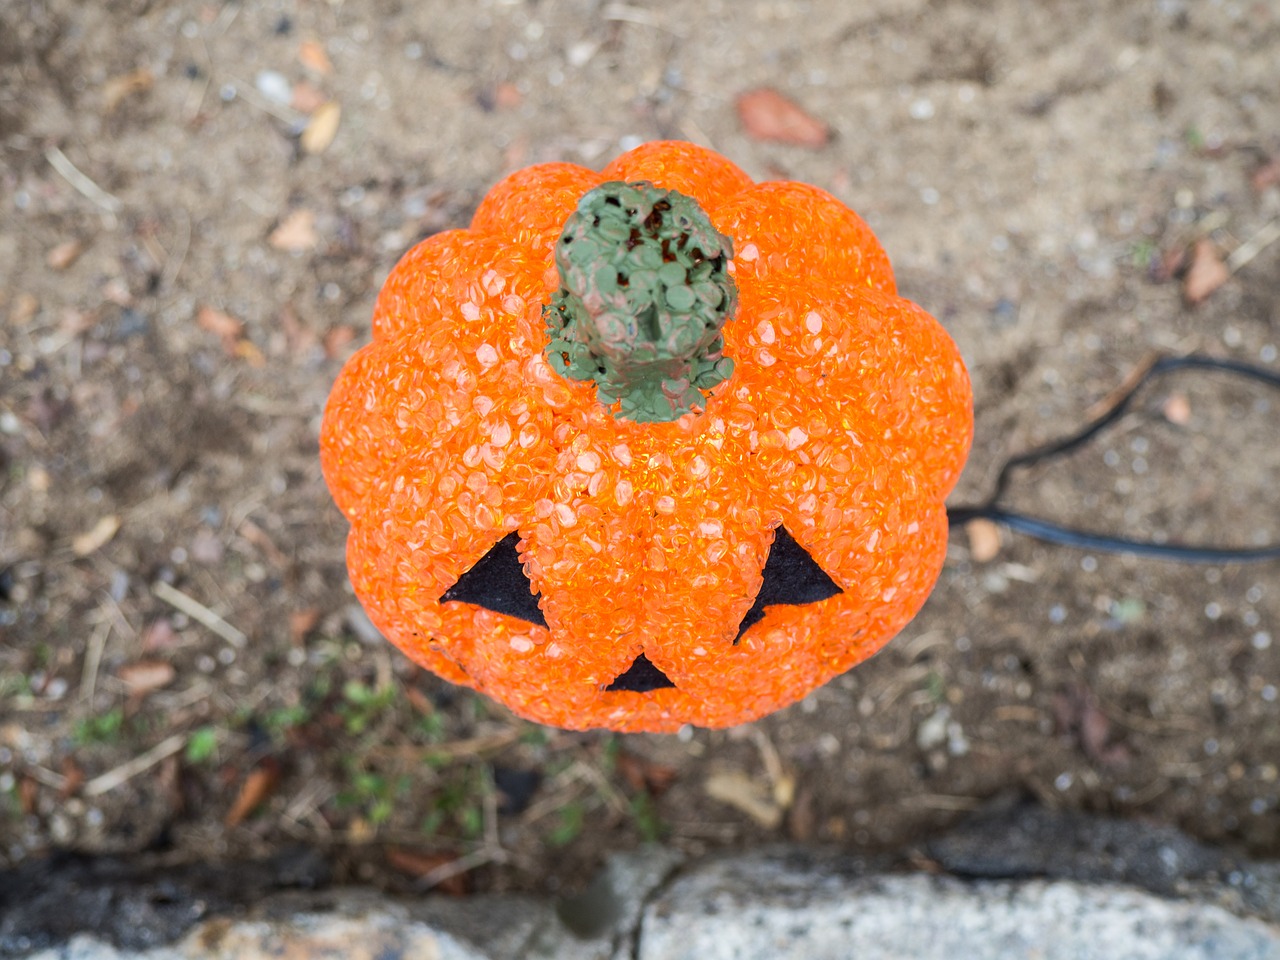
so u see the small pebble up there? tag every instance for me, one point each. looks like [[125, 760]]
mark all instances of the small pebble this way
[[922, 109], [275, 86]]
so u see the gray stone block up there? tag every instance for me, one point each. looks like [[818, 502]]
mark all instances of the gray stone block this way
[[756, 908]]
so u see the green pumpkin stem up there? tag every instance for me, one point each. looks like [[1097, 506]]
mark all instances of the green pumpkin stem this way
[[644, 291]]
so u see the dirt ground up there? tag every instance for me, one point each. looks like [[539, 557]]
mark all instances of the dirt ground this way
[[189, 248]]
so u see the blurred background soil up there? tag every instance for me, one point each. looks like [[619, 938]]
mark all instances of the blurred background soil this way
[[198, 203]]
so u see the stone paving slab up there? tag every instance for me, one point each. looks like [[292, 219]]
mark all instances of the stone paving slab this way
[[1014, 882], [753, 909]]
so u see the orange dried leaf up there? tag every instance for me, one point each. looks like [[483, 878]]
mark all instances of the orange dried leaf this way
[[117, 291], [262, 540], [218, 323], [248, 351], [296, 233], [72, 778], [507, 96], [25, 306], [984, 540], [321, 128], [1177, 409], [768, 115], [645, 775], [64, 254], [419, 701], [97, 536], [28, 793], [337, 339], [1206, 273], [301, 623], [159, 635], [306, 98], [312, 55], [752, 797], [115, 90], [144, 676], [257, 788], [420, 864], [1267, 175]]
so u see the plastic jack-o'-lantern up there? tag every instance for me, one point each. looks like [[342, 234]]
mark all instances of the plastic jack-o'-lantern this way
[[645, 447]]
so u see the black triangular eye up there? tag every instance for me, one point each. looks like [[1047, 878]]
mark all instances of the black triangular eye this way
[[497, 582], [641, 677], [790, 576]]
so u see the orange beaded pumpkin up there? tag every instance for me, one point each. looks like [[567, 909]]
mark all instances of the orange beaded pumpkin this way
[[648, 446]]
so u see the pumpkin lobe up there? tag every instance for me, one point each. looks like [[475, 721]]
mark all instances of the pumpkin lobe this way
[[644, 292]]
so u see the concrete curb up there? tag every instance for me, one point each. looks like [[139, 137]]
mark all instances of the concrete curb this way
[[1012, 882]]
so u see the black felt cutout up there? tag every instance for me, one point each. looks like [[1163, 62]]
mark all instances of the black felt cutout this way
[[790, 576], [497, 582], [641, 677]]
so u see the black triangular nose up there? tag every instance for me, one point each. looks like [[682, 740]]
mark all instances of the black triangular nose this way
[[641, 677]]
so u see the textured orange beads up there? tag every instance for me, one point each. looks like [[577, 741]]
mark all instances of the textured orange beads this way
[[847, 420]]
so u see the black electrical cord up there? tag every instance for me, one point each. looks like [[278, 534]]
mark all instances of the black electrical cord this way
[[1057, 533]]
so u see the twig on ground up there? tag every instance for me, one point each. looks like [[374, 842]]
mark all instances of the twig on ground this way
[[93, 661], [942, 801], [453, 749], [50, 778], [139, 764], [173, 261], [465, 864], [58, 160], [1123, 389], [198, 612], [1242, 254]]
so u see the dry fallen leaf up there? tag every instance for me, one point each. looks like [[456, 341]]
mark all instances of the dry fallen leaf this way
[[645, 775], [306, 98], [169, 782], [321, 128], [256, 789], [301, 623], [72, 778], [802, 821], [507, 96], [262, 540], [1076, 711], [28, 794], [248, 351], [64, 254], [144, 676], [1177, 409], [419, 864], [1206, 273], [25, 306], [159, 635], [337, 339], [117, 291], [96, 537], [360, 832], [117, 88], [311, 54], [298, 334], [984, 540], [768, 115], [753, 798], [220, 324], [1267, 175], [296, 233]]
